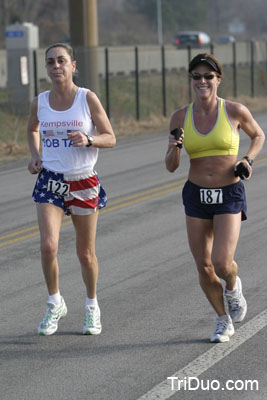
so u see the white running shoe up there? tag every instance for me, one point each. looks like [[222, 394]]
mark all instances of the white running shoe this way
[[54, 313], [237, 304], [224, 329], [92, 324]]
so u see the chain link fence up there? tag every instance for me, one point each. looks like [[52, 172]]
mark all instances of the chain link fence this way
[[139, 82]]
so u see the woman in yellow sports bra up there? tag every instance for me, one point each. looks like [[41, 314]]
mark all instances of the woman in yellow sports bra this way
[[214, 196]]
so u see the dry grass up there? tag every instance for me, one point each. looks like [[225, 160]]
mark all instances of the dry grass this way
[[255, 105], [131, 127], [155, 123], [15, 147], [13, 152]]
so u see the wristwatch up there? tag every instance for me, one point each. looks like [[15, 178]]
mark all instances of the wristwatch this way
[[249, 160], [90, 140]]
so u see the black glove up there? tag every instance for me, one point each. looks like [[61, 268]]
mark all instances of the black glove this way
[[177, 133], [242, 171]]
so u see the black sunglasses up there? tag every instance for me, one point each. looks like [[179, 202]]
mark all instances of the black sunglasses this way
[[208, 76]]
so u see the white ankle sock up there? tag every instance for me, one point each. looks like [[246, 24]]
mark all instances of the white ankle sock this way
[[55, 299], [91, 302], [230, 291]]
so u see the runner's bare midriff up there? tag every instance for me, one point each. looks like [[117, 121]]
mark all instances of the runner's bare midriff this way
[[212, 172]]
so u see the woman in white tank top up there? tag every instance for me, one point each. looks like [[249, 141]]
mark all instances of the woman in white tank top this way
[[72, 125]]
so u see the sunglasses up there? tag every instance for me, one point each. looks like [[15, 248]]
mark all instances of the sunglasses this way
[[207, 76]]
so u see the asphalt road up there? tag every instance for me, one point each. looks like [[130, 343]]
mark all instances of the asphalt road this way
[[156, 321]]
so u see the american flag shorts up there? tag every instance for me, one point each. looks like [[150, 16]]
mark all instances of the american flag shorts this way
[[86, 194]]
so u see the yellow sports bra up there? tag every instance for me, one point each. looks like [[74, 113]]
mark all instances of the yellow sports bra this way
[[222, 140]]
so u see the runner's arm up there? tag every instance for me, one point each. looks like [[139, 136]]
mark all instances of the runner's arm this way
[[106, 136], [172, 158], [34, 164]]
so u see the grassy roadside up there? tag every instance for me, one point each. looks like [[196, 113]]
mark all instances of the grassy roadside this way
[[13, 139]]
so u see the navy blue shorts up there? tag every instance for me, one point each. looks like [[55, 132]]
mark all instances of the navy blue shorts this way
[[231, 200]]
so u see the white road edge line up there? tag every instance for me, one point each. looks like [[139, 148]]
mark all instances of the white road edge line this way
[[164, 391]]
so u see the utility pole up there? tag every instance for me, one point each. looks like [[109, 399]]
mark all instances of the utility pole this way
[[84, 39], [159, 22]]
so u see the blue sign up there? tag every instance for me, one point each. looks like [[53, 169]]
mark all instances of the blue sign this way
[[14, 34]]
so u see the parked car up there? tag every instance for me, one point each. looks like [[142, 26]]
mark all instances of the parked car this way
[[194, 39], [226, 39]]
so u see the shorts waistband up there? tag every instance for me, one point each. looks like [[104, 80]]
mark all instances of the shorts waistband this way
[[73, 177], [238, 183]]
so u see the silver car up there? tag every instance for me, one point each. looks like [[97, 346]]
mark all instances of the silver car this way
[[194, 39]]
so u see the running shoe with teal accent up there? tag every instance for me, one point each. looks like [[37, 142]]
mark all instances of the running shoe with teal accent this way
[[92, 324], [237, 304], [224, 329], [54, 313]]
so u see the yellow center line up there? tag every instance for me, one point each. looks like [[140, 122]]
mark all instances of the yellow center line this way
[[7, 242], [19, 232], [167, 185], [112, 206], [140, 199], [259, 161]]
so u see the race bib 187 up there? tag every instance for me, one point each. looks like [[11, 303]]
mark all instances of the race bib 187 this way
[[211, 196]]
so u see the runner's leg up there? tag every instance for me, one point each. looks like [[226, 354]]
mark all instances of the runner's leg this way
[[226, 235], [50, 219], [85, 226], [200, 237]]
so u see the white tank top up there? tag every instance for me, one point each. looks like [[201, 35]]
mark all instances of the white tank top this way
[[58, 153]]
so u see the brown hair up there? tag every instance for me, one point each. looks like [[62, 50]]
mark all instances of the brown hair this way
[[67, 47]]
